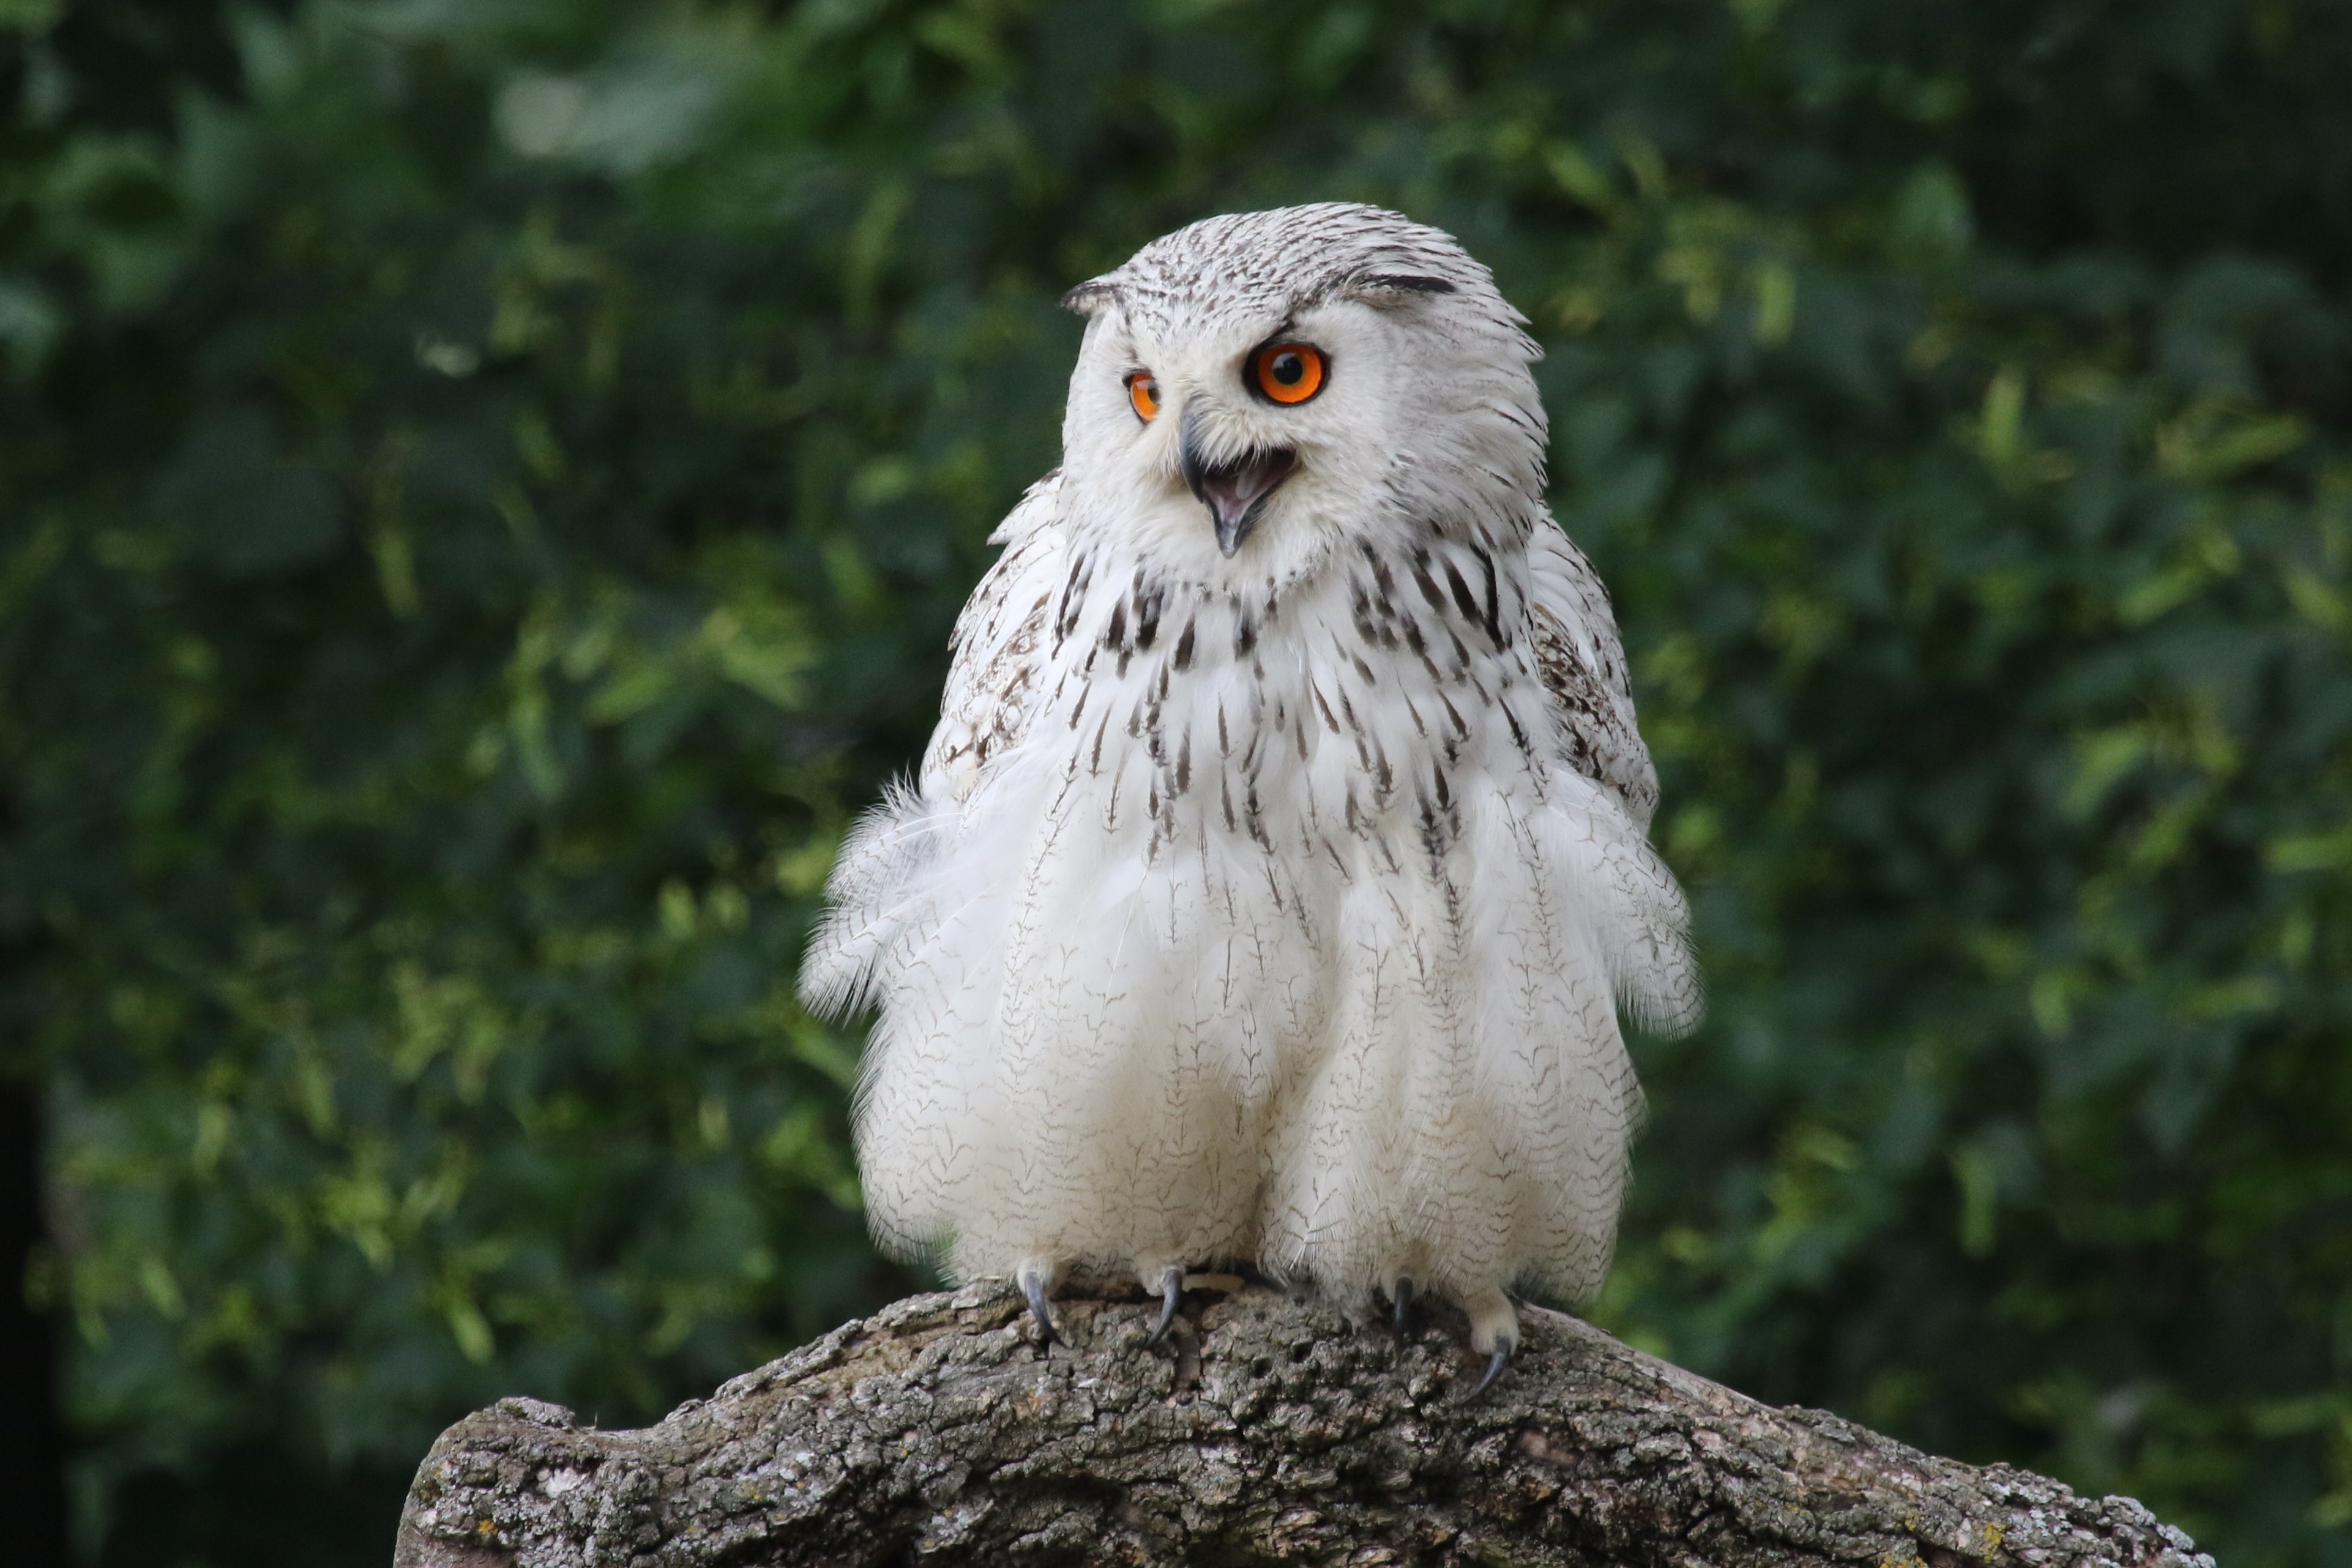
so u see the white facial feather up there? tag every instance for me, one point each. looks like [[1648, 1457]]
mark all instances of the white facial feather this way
[[1275, 904]]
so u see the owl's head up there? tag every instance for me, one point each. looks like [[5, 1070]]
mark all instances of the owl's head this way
[[1260, 390]]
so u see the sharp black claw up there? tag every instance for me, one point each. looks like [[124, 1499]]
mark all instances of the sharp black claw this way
[[1171, 1292], [1401, 1293], [1493, 1368], [1032, 1286]]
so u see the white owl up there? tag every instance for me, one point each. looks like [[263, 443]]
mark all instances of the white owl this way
[[1279, 864]]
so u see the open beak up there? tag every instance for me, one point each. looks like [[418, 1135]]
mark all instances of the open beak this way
[[1234, 492]]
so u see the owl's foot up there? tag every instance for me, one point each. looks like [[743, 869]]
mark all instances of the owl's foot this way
[[1493, 1330], [1400, 1293], [1171, 1292], [1032, 1286]]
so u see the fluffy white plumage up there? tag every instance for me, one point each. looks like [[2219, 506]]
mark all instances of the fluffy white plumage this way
[[1275, 904]]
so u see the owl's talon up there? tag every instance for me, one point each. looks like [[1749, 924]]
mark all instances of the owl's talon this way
[[1032, 1286], [1495, 1364], [1171, 1292], [1494, 1329], [1401, 1294]]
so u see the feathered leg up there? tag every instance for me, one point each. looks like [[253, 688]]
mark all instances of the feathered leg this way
[[1493, 1330]]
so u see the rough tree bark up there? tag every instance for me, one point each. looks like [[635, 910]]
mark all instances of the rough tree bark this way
[[1267, 1429]]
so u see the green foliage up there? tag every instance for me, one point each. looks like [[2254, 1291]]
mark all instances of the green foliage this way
[[485, 485]]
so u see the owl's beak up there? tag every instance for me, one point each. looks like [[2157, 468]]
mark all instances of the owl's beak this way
[[1234, 492]]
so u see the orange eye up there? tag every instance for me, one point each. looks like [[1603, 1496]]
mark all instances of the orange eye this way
[[1143, 395], [1288, 373]]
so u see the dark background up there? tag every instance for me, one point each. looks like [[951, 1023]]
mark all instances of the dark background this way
[[483, 485]]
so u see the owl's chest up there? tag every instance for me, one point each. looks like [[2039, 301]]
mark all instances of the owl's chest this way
[[1370, 708]]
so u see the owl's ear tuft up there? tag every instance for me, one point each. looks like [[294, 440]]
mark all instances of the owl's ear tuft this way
[[1091, 298], [1376, 287]]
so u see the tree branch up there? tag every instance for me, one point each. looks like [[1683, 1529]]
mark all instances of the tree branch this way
[[1266, 1429]]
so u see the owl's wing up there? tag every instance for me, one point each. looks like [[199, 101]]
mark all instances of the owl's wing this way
[[1582, 666], [999, 650]]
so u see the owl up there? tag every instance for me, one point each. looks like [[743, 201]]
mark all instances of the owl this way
[[1279, 868]]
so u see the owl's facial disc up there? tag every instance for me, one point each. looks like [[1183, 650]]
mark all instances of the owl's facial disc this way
[[1235, 491]]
